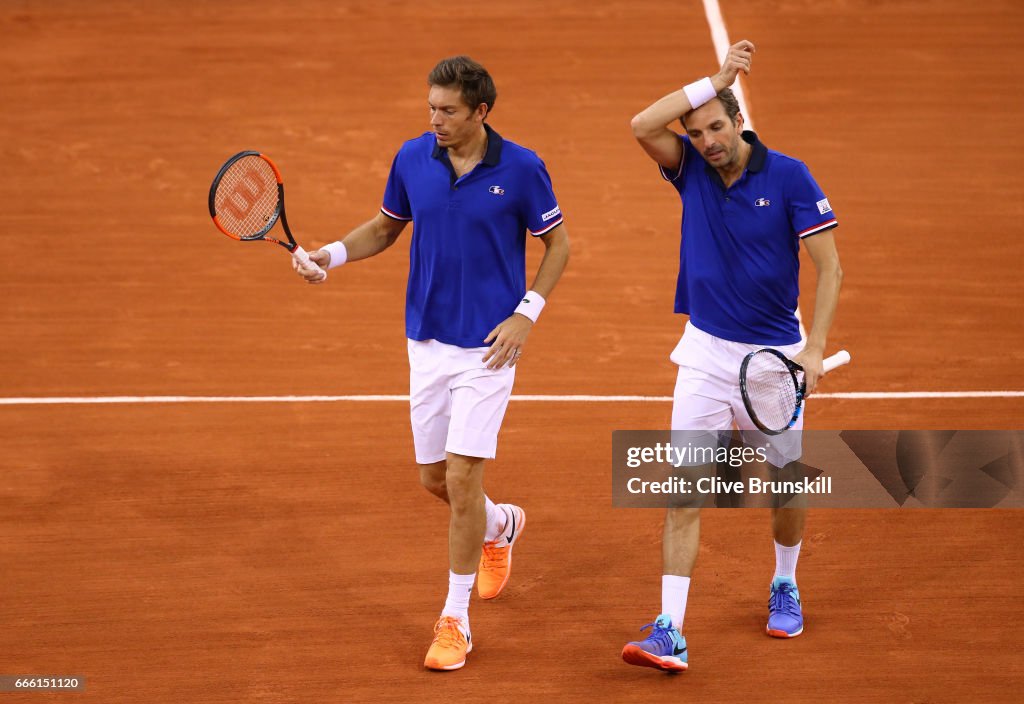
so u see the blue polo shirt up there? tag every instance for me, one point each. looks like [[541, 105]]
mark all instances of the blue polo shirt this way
[[739, 263], [467, 259]]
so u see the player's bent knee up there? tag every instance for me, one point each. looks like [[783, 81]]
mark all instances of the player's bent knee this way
[[433, 479], [435, 487]]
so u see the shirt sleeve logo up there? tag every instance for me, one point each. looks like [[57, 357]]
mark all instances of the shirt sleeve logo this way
[[497, 190], [554, 212], [823, 206]]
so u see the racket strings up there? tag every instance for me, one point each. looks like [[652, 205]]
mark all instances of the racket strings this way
[[246, 200], [771, 391]]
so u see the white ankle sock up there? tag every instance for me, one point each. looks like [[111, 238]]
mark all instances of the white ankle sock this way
[[460, 586], [785, 560], [674, 590], [496, 520]]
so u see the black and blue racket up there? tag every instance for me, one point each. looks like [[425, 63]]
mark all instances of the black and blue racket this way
[[773, 388]]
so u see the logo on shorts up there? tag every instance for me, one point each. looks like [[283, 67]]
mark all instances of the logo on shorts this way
[[823, 206], [497, 190], [762, 202], [550, 214]]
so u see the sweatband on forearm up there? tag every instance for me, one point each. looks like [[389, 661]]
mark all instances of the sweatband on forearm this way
[[338, 252], [700, 92], [531, 305]]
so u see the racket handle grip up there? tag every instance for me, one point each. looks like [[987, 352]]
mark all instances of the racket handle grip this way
[[305, 262], [837, 360]]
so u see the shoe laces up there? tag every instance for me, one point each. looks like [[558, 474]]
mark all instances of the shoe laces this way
[[660, 634], [447, 633], [783, 599], [493, 556]]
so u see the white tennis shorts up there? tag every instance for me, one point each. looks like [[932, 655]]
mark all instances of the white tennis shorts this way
[[456, 404], [707, 394]]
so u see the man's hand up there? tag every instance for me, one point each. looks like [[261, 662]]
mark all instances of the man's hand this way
[[509, 338], [313, 276], [810, 358], [739, 58]]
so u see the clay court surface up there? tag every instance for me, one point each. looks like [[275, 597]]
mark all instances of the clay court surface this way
[[284, 552]]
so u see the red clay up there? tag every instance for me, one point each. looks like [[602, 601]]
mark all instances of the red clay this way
[[285, 552]]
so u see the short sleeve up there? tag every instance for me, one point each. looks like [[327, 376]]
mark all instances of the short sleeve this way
[[542, 211], [396, 198], [677, 177], [808, 209]]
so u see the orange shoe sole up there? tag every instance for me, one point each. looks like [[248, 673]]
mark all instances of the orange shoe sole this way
[[638, 656]]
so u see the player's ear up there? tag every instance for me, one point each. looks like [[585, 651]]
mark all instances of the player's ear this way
[[481, 112], [739, 121]]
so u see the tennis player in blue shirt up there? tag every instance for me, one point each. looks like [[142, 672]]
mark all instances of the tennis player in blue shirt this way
[[746, 211], [472, 197]]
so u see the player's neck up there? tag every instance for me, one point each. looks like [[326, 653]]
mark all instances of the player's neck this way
[[472, 149], [731, 173]]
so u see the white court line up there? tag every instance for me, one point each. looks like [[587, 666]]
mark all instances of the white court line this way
[[391, 398]]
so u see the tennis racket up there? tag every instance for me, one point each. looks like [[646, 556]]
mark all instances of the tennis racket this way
[[773, 387], [247, 198]]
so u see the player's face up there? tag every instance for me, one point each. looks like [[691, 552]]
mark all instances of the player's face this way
[[453, 122], [714, 135]]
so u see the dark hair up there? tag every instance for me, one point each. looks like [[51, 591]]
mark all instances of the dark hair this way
[[469, 77], [729, 102]]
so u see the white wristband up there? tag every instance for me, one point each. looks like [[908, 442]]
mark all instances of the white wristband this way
[[339, 255], [531, 305], [700, 92]]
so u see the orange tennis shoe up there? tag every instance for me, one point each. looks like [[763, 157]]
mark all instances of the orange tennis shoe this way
[[496, 559], [451, 643]]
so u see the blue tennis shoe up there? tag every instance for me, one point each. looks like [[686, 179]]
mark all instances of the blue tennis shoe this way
[[785, 617], [663, 649]]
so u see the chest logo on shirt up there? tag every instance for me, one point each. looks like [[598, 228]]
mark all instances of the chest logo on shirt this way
[[497, 190], [762, 202]]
